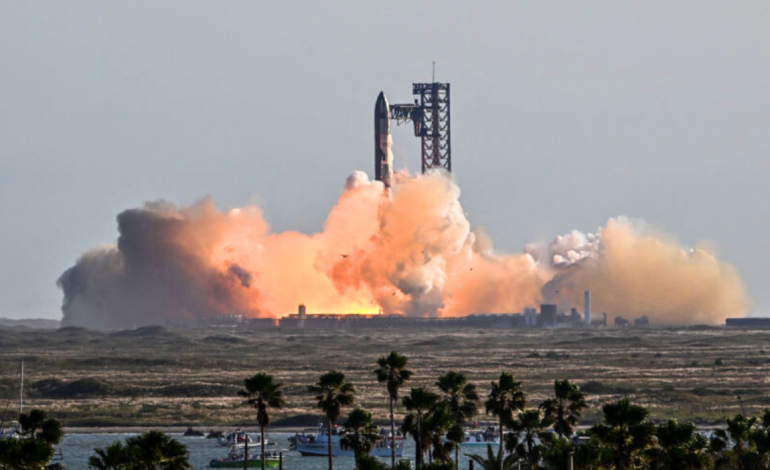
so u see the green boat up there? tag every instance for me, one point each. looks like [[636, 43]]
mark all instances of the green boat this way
[[234, 459]]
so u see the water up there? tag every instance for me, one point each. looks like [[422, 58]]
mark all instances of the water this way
[[77, 448]]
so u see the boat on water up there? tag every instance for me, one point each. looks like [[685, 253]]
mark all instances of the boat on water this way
[[13, 431], [234, 438], [385, 433], [235, 458], [193, 433], [315, 442]]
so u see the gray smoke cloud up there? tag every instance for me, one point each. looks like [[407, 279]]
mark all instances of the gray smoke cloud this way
[[159, 270]]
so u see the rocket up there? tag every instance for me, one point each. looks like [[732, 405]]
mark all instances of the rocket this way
[[383, 157]]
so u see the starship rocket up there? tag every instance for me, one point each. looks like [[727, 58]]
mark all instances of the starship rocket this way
[[383, 157]]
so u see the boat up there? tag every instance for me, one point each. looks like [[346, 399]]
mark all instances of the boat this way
[[316, 443], [235, 437], [13, 431], [481, 437], [193, 433], [214, 434], [234, 459], [385, 433]]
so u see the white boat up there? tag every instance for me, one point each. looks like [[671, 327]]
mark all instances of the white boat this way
[[235, 458], [317, 444], [234, 438], [385, 433], [11, 432]]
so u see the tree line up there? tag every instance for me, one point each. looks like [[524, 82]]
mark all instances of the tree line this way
[[541, 436]]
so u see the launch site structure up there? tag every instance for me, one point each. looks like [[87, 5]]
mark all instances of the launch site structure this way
[[431, 117]]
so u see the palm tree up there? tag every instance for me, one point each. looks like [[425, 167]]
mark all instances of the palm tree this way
[[679, 447], [262, 392], [332, 392], [494, 462], [437, 422], [566, 407], [761, 438], [529, 425], [35, 445], [367, 462], [460, 395], [409, 428], [420, 401], [155, 449], [113, 457], [505, 398], [738, 433], [456, 436], [556, 452], [391, 370], [360, 433], [625, 430], [37, 425]]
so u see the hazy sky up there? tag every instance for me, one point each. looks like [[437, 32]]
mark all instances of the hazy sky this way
[[563, 114]]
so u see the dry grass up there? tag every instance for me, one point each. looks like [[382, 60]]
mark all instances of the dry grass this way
[[158, 376]]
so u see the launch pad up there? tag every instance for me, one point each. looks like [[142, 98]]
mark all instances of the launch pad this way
[[430, 115]]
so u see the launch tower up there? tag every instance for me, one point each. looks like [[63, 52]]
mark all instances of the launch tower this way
[[430, 115]]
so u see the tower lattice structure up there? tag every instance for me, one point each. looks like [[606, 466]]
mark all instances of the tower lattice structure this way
[[431, 117]]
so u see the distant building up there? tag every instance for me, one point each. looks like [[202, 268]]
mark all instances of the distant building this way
[[530, 317], [749, 322], [548, 314]]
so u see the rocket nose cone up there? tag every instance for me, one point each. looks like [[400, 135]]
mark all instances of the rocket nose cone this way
[[382, 100]]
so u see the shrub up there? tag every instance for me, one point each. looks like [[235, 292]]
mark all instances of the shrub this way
[[598, 388]]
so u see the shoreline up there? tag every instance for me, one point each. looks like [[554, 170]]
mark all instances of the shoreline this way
[[173, 429]]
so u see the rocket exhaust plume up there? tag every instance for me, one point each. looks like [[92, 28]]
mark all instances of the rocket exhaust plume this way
[[409, 250]]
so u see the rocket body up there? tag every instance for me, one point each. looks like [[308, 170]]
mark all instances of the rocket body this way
[[383, 156]]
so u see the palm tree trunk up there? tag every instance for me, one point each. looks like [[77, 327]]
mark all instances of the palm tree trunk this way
[[457, 457], [262, 441], [392, 436], [418, 441], [331, 465], [245, 450], [501, 452]]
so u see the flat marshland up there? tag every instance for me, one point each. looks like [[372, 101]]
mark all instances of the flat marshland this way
[[157, 376]]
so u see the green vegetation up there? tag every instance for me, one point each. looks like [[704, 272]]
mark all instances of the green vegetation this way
[[506, 397], [361, 434], [391, 370], [35, 446], [332, 393], [565, 408], [262, 392], [419, 402], [152, 450]]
